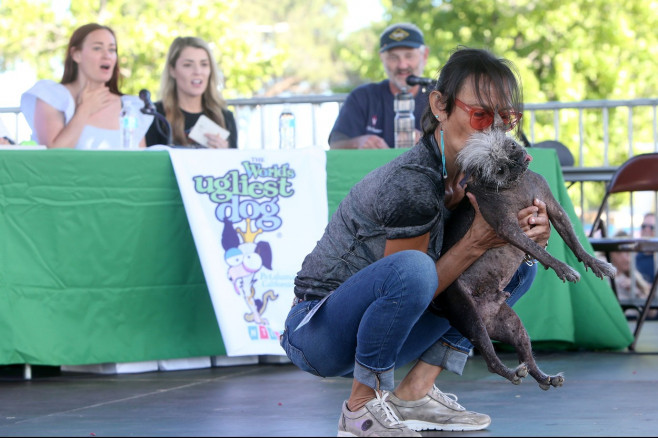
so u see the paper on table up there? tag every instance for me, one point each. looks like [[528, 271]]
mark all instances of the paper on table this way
[[206, 126]]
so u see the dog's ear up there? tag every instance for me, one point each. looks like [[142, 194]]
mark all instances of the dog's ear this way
[[230, 237], [264, 250]]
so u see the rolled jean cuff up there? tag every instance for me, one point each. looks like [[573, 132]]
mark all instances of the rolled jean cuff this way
[[384, 381], [443, 356]]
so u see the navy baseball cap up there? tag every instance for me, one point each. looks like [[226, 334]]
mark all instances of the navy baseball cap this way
[[401, 35]]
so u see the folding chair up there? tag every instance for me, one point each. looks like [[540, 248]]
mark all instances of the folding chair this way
[[563, 153], [637, 174]]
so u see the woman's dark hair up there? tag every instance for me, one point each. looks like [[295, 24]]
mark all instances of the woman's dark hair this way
[[75, 43], [488, 73]]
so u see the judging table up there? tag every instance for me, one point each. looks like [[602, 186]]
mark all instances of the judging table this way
[[98, 264]]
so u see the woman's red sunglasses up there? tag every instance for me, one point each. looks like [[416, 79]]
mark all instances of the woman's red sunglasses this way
[[482, 118]]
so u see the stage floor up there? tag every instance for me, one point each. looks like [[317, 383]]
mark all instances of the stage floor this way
[[605, 394]]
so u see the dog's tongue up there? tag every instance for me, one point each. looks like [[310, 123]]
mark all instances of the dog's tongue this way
[[528, 157]]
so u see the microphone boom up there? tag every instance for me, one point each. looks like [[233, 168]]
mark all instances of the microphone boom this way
[[416, 80], [145, 96], [149, 108]]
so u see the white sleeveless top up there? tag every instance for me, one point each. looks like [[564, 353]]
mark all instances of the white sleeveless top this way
[[59, 97]]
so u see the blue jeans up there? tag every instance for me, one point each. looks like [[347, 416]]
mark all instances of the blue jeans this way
[[378, 320]]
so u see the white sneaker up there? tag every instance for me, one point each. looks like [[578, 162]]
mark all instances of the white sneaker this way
[[374, 419], [437, 411]]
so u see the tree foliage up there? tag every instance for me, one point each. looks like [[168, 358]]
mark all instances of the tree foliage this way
[[565, 51], [304, 37], [262, 48]]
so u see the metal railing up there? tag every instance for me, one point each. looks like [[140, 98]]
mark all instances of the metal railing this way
[[316, 115]]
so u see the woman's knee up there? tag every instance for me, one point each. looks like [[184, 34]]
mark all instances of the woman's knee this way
[[418, 271]]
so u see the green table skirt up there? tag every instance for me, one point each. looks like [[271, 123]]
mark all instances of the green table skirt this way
[[98, 264]]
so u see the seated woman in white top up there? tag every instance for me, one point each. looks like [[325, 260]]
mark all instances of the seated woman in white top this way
[[82, 111]]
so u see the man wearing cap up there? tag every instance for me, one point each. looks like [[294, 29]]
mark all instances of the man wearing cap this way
[[365, 120]]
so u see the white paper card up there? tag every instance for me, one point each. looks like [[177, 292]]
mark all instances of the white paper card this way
[[206, 126]]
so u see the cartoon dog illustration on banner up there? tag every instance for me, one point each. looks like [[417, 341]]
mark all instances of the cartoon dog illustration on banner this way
[[245, 259]]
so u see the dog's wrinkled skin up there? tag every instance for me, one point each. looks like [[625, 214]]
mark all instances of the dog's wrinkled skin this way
[[496, 169]]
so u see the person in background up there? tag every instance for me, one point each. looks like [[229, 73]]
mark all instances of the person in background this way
[[188, 89], [82, 111], [366, 118], [363, 296], [630, 284], [644, 261], [622, 261]]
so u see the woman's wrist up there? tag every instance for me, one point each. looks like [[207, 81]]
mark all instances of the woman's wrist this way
[[470, 247]]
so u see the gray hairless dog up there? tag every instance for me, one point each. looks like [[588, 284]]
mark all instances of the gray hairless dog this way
[[496, 169]]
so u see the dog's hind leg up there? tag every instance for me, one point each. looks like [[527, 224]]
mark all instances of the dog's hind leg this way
[[464, 316], [507, 327], [495, 365]]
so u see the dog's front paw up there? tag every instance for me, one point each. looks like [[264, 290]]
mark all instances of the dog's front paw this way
[[601, 268], [567, 273]]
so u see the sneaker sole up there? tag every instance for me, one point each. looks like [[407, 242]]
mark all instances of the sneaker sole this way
[[343, 433], [424, 425]]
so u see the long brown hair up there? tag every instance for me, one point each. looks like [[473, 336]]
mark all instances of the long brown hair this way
[[486, 70], [211, 100], [75, 43]]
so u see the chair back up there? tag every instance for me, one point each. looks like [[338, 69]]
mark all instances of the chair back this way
[[637, 174], [563, 153]]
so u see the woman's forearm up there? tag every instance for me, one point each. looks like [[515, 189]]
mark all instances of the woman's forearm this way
[[454, 262]]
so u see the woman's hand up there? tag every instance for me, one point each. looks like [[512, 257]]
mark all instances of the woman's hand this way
[[534, 222], [215, 141], [90, 101]]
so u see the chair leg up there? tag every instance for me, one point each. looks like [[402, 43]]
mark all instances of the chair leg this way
[[644, 313]]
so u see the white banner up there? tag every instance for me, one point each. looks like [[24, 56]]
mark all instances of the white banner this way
[[254, 216]]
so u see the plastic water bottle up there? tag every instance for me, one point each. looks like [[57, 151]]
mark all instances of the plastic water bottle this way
[[405, 121], [128, 125], [287, 128]]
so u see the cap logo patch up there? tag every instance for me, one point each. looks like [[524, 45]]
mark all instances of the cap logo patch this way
[[398, 34]]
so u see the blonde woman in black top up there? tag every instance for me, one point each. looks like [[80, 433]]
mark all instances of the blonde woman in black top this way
[[189, 89]]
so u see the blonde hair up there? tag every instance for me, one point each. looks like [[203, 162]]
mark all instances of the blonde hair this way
[[211, 101]]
